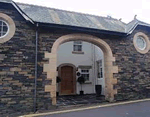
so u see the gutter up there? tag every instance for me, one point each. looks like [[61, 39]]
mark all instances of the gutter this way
[[35, 80], [83, 29]]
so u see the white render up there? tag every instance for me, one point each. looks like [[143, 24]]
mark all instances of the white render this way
[[91, 54]]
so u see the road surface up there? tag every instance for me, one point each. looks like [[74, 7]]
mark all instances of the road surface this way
[[140, 109]]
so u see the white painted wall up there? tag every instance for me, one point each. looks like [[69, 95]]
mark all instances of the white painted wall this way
[[64, 55], [100, 81]]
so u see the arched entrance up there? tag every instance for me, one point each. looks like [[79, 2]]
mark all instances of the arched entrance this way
[[108, 64], [67, 72]]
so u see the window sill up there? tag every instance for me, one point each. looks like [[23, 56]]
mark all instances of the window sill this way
[[77, 52], [88, 82]]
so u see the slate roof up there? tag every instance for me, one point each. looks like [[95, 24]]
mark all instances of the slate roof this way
[[55, 16], [62, 17], [6, 1], [133, 24]]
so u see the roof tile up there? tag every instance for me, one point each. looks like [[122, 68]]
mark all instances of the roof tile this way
[[62, 17]]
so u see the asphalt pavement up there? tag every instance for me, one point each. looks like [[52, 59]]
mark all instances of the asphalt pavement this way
[[139, 109]]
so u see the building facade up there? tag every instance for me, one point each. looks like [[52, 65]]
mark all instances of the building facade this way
[[86, 58], [30, 37]]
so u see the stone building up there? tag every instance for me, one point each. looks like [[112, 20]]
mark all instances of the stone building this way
[[29, 40]]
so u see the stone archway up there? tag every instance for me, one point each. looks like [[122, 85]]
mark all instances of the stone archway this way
[[108, 64]]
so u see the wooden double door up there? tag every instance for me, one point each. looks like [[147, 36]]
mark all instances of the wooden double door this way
[[67, 85]]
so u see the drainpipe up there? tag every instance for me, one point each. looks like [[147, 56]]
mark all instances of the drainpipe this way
[[93, 66], [35, 81], [95, 78]]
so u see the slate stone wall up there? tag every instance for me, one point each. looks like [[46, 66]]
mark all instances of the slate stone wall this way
[[17, 69], [134, 68]]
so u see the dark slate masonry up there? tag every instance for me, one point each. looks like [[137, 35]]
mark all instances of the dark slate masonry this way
[[17, 65], [134, 68], [17, 69]]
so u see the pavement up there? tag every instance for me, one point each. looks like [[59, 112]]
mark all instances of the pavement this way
[[70, 100], [137, 108]]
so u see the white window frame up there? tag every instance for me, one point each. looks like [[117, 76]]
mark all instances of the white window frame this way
[[146, 47], [86, 73], [100, 69], [142, 38], [3, 27], [11, 28], [77, 44]]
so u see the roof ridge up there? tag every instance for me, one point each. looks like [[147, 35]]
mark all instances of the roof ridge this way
[[142, 22], [68, 11]]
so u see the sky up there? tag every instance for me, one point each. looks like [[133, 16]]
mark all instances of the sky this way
[[124, 9]]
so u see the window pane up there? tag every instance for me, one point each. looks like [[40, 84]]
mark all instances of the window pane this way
[[75, 48], [101, 75], [87, 79], [5, 28], [98, 75], [0, 23], [79, 47], [99, 69], [4, 24], [77, 42], [141, 42], [85, 70], [101, 72], [85, 74]]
